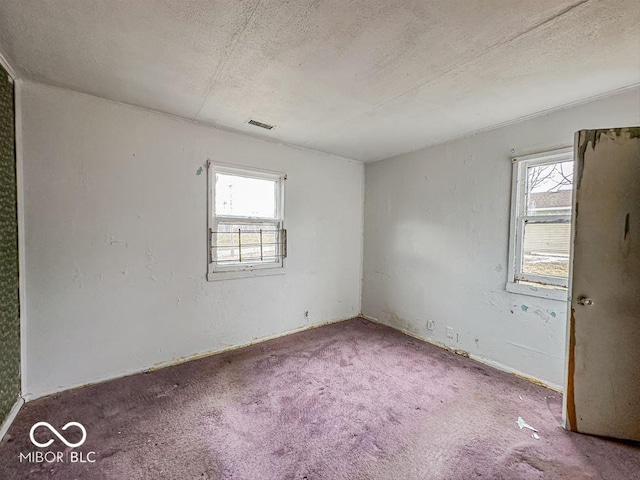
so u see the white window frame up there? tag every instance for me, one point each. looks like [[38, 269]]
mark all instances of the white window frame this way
[[240, 270], [545, 287]]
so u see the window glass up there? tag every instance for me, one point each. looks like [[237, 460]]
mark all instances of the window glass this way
[[549, 189], [246, 222], [540, 242], [237, 196], [546, 249], [247, 243]]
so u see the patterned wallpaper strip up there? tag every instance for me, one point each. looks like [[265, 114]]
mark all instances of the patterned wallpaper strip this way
[[9, 300]]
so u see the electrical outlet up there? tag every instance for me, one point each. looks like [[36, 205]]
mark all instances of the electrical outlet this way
[[449, 332], [431, 324], [306, 315]]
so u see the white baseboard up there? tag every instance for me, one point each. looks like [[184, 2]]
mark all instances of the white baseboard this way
[[13, 413], [479, 359], [30, 396]]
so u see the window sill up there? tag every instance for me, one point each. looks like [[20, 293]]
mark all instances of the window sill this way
[[548, 293], [260, 272]]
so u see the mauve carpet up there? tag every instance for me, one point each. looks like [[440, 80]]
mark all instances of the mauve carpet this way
[[353, 400]]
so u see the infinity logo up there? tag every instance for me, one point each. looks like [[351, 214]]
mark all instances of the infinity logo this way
[[55, 432]]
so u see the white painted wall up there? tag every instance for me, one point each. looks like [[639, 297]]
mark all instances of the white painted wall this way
[[115, 239], [436, 241]]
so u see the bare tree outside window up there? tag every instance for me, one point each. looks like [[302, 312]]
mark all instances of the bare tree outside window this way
[[551, 178], [546, 245]]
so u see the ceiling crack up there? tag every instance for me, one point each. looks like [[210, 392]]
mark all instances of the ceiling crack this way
[[223, 62], [489, 49]]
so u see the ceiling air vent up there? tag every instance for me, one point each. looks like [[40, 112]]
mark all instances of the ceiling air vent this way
[[260, 124]]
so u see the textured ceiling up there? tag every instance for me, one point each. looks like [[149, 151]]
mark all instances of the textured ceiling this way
[[365, 79]]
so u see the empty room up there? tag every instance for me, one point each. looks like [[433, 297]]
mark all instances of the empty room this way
[[320, 239]]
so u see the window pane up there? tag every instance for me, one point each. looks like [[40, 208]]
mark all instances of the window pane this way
[[245, 197], [546, 249], [549, 189], [246, 243]]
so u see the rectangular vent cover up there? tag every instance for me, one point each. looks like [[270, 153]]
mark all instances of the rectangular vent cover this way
[[260, 124]]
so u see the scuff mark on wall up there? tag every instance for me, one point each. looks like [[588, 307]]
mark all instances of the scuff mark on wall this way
[[469, 160], [110, 240], [524, 347], [399, 322], [540, 314], [78, 276], [151, 262]]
